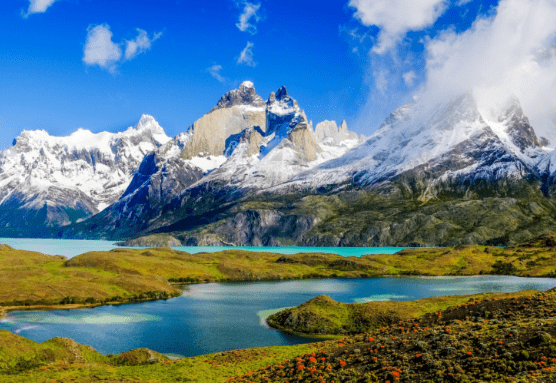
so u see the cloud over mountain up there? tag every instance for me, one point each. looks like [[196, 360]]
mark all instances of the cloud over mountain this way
[[509, 53], [395, 18]]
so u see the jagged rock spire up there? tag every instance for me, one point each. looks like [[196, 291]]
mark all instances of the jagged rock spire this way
[[245, 94]]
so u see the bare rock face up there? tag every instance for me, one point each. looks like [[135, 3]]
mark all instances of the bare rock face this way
[[255, 140], [289, 125], [262, 228], [235, 111], [304, 141], [211, 131], [518, 126]]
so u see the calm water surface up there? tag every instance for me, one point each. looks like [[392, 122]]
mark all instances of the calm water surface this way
[[222, 316], [70, 248]]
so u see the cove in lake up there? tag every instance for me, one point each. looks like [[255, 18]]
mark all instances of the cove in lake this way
[[71, 247], [224, 316]]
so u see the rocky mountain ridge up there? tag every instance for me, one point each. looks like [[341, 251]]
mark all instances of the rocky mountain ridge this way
[[441, 175], [255, 172], [239, 148], [48, 181]]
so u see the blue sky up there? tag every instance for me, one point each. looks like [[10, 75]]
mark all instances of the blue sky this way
[[173, 59]]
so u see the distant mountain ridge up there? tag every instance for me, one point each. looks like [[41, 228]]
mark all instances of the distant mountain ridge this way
[[255, 172], [48, 181]]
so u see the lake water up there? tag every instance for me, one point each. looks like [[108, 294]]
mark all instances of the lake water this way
[[70, 247], [223, 316]]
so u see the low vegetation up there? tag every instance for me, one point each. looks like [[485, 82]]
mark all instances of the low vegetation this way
[[398, 214], [486, 338], [34, 279], [154, 240], [63, 360], [324, 316], [483, 338], [491, 338]]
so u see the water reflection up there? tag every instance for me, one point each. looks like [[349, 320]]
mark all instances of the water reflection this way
[[223, 316]]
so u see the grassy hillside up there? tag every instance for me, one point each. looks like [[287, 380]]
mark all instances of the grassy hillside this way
[[239, 265], [502, 338], [324, 316], [63, 360], [30, 278]]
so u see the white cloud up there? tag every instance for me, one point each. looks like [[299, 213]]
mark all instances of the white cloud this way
[[395, 18], [249, 11], [141, 44], [409, 78], [38, 6], [100, 49], [508, 53], [246, 56], [215, 73]]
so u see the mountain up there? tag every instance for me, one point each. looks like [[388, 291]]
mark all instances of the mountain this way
[[48, 181], [446, 149], [255, 172], [242, 146], [446, 174]]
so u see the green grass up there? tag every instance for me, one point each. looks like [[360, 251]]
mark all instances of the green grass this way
[[324, 316], [46, 280], [22, 360], [36, 279]]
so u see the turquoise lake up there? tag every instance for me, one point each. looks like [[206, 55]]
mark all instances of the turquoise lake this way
[[70, 247], [224, 316]]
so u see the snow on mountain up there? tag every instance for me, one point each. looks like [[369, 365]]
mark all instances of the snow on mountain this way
[[441, 143], [84, 172], [239, 143], [243, 144], [262, 158]]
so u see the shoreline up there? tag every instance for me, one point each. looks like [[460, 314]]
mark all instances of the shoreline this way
[[4, 310]]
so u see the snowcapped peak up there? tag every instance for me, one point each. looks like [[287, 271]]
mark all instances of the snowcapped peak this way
[[25, 134], [146, 130], [282, 93], [146, 120], [280, 103], [246, 84], [329, 132], [511, 107], [511, 125], [148, 124], [245, 95], [344, 126]]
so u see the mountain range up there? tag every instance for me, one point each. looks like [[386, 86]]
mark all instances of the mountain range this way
[[256, 172]]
